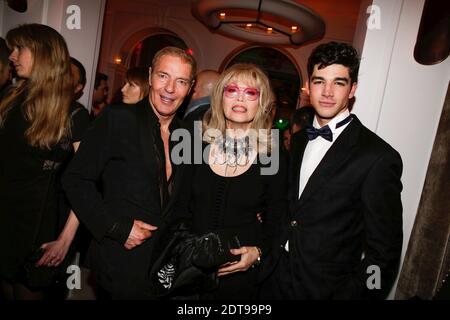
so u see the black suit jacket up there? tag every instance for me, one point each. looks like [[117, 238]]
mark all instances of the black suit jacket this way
[[122, 151], [351, 205]]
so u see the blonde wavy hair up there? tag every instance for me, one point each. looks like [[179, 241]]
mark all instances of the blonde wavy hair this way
[[49, 88], [214, 120]]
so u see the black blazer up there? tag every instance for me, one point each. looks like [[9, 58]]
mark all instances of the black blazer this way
[[122, 151], [350, 205]]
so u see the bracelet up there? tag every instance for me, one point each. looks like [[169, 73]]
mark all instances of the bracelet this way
[[259, 252], [258, 260]]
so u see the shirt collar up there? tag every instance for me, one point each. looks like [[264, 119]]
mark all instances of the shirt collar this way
[[334, 121]]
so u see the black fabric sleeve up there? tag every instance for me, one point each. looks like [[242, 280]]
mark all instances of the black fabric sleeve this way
[[121, 229], [81, 177], [80, 123], [383, 231]]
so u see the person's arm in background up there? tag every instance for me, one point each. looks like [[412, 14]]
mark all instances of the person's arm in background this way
[[56, 251]]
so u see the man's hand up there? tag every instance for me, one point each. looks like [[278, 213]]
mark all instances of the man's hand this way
[[140, 232]]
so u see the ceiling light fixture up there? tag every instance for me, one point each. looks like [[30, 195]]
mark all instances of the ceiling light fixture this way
[[278, 22]]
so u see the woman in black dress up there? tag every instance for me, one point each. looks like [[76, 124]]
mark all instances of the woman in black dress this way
[[35, 139], [235, 192]]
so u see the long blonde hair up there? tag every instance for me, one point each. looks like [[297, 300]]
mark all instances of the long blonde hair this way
[[252, 75], [49, 89]]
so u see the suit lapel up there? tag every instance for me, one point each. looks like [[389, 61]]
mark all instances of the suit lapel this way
[[146, 124], [300, 142], [177, 170], [340, 151], [177, 178]]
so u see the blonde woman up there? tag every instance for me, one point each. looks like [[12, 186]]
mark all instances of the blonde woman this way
[[35, 139], [229, 193]]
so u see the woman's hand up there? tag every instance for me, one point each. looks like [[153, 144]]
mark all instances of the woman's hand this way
[[55, 251], [54, 254], [249, 255]]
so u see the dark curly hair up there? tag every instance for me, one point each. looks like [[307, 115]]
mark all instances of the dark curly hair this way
[[335, 53]]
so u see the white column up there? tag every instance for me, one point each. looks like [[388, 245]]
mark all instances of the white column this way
[[84, 39], [375, 58]]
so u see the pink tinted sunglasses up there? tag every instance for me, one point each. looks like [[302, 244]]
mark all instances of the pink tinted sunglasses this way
[[233, 91]]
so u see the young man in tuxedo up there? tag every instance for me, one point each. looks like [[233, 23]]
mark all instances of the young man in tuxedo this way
[[127, 149], [343, 236]]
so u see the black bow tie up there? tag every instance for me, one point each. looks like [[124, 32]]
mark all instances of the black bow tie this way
[[325, 132]]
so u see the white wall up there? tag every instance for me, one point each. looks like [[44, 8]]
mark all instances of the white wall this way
[[83, 43], [400, 99]]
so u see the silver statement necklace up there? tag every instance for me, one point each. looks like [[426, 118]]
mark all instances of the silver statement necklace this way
[[233, 152]]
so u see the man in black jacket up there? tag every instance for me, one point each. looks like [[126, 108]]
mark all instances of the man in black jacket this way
[[343, 236], [128, 150]]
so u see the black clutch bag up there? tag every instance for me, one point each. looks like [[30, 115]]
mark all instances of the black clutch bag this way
[[188, 263], [213, 251], [43, 277], [173, 273]]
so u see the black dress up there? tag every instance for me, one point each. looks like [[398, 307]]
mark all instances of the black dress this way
[[27, 193], [229, 207]]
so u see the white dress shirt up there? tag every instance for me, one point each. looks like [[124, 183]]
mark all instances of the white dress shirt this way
[[316, 149]]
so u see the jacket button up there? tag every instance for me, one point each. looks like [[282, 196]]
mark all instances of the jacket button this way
[[294, 223]]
